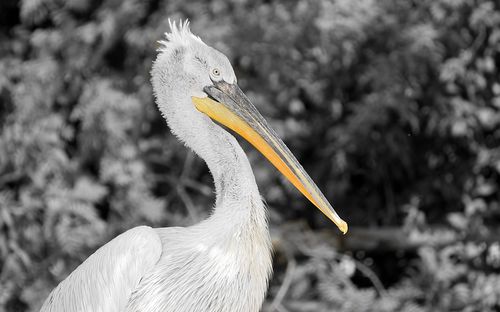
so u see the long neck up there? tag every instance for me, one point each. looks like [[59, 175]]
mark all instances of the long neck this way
[[239, 219], [237, 194]]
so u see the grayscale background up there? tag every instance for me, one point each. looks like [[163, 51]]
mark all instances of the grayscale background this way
[[392, 106]]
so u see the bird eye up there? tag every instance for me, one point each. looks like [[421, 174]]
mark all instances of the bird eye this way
[[216, 72]]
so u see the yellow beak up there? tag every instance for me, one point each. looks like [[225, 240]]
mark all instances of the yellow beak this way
[[229, 106]]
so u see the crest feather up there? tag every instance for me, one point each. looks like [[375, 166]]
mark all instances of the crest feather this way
[[179, 34]]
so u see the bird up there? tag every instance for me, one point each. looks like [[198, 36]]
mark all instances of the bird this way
[[223, 263]]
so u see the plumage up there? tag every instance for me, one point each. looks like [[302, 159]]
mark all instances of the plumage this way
[[224, 262], [106, 280]]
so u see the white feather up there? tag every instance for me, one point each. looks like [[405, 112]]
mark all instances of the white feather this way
[[106, 280], [179, 34]]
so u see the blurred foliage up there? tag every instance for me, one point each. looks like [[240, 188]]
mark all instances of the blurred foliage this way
[[392, 106]]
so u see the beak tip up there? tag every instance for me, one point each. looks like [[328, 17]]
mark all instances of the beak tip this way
[[342, 225], [344, 228]]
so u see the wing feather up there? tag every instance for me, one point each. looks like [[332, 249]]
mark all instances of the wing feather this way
[[106, 280]]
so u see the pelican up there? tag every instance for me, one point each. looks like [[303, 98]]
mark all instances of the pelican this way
[[224, 262]]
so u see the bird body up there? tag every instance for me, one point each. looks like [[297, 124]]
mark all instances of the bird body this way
[[224, 262], [222, 271]]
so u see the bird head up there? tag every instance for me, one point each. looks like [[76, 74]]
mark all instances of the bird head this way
[[209, 81]]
